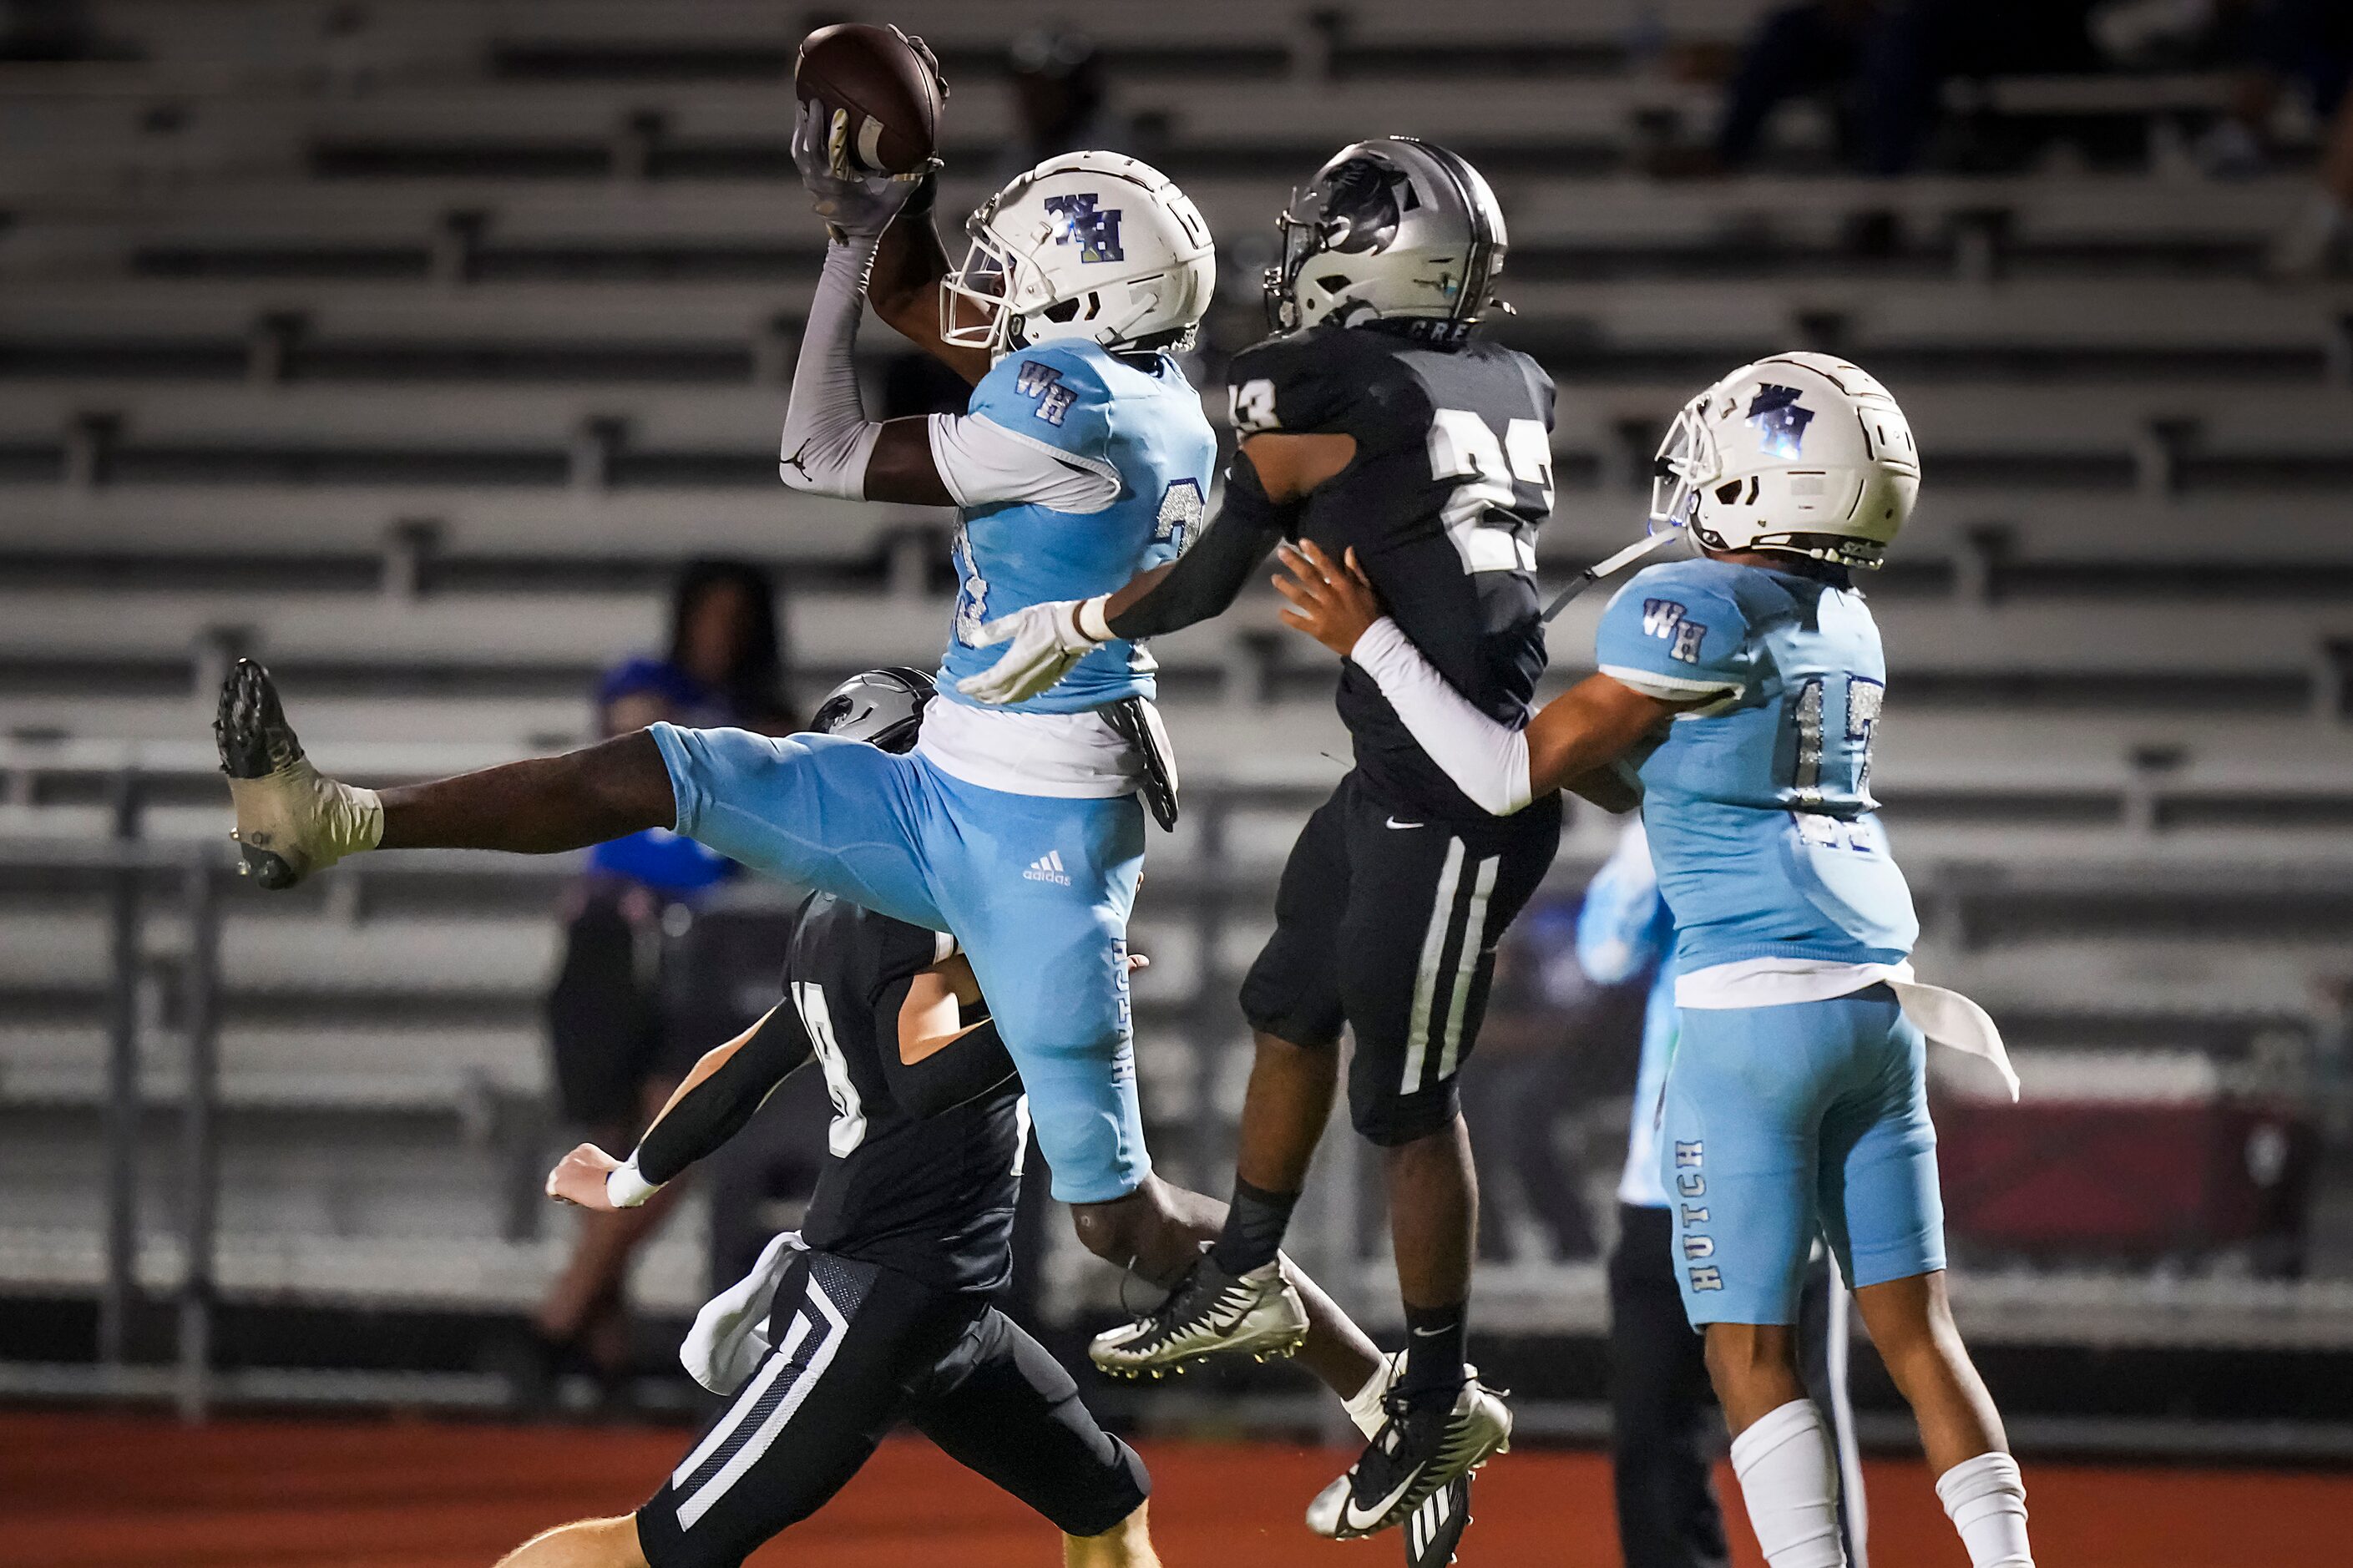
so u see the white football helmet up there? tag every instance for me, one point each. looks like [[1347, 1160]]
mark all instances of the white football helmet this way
[[1389, 229], [1801, 452], [1090, 245]]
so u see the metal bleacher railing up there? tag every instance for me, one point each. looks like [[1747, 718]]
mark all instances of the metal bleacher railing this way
[[168, 897]]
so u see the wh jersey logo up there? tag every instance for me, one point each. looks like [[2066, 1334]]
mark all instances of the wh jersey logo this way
[[1048, 868], [1095, 231], [1665, 618], [1779, 419], [1044, 383]]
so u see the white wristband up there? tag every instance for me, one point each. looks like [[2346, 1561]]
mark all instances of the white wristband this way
[[626, 1188], [1091, 622]]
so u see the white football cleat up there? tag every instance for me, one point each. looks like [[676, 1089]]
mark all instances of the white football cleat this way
[[291, 820]]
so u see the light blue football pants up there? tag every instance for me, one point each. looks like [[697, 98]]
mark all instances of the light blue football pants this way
[[1036, 889], [1784, 1122]]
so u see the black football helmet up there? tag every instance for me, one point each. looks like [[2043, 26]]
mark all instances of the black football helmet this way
[[1391, 229], [881, 707]]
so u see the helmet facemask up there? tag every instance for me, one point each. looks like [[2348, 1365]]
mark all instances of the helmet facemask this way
[[1687, 463], [1350, 210], [978, 288]]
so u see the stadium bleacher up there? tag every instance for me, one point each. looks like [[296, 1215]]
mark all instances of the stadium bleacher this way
[[411, 350]]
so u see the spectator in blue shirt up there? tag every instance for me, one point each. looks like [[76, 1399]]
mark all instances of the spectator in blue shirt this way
[[614, 1065]]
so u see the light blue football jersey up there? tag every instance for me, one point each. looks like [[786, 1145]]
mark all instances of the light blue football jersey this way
[[1140, 423], [1758, 808]]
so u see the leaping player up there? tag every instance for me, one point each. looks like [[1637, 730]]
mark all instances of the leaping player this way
[[876, 1312], [1084, 460], [1374, 421], [1797, 1102]]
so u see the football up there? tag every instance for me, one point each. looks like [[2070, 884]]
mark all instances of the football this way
[[892, 91]]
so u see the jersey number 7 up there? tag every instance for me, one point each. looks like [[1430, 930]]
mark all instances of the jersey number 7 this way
[[1488, 520]]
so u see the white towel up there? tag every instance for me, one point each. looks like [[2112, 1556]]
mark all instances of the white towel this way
[[729, 1337], [1945, 1017]]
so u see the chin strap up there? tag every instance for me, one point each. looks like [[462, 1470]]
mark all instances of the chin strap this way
[[1608, 566]]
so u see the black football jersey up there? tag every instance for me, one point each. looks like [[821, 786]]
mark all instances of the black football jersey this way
[[932, 1197], [1452, 478]]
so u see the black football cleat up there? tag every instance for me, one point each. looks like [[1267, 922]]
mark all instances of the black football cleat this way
[[1425, 1445], [1435, 1528]]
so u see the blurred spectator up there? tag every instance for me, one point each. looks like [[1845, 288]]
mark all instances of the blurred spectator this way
[[2308, 45], [1543, 1054], [52, 32], [1882, 65], [1660, 1430], [614, 1062], [1061, 102], [2332, 1058]]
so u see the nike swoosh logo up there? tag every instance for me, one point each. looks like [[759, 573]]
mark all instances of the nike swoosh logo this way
[[1372, 1516], [1427, 1333], [1394, 823]]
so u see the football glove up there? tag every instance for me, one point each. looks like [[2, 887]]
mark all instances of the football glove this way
[[1045, 641], [854, 207]]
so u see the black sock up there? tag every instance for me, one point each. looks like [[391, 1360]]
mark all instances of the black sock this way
[[1433, 1350], [1254, 1227]]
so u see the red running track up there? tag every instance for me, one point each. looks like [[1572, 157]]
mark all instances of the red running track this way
[[110, 1491]]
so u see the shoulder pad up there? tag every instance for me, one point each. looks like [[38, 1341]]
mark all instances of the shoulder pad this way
[[1698, 575], [1303, 382], [1054, 392]]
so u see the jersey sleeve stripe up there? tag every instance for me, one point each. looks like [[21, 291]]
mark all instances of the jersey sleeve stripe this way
[[983, 463]]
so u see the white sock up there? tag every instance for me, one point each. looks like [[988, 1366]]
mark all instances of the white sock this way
[[1789, 1482], [1365, 1405], [1985, 1500]]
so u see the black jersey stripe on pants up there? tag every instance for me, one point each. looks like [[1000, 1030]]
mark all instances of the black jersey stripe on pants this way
[[860, 1349], [1386, 920]]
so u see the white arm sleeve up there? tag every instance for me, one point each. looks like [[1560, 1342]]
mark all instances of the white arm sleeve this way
[[1487, 761], [827, 437], [984, 464], [626, 1188]]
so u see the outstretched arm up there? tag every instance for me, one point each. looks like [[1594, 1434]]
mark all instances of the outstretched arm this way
[[711, 1106], [1266, 484], [941, 1063], [1573, 742], [830, 446]]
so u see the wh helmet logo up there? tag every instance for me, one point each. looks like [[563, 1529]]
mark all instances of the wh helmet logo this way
[[1779, 420], [1095, 230]]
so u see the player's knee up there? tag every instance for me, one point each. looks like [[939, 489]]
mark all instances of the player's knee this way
[[1744, 1355], [1127, 1544], [1910, 1318], [1393, 1119], [1112, 1532]]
